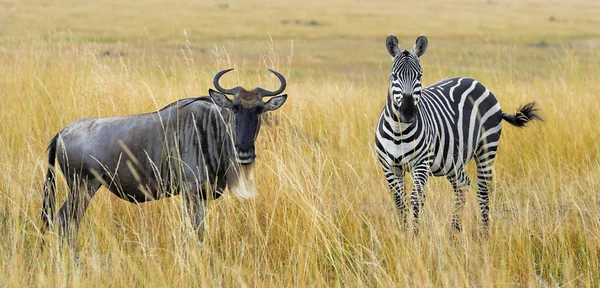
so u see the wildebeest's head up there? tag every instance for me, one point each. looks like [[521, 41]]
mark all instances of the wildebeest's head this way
[[246, 107], [405, 76]]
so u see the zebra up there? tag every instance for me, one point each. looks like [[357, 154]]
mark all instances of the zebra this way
[[437, 130]]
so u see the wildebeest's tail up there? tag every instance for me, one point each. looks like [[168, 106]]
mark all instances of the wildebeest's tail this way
[[49, 187], [523, 116]]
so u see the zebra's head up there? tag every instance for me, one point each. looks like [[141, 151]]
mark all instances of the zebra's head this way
[[246, 108], [405, 77]]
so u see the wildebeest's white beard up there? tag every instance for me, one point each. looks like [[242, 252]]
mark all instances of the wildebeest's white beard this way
[[240, 180]]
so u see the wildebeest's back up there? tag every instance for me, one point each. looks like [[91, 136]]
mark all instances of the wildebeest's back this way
[[150, 156]]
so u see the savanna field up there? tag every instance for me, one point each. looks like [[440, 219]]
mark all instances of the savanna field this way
[[324, 215]]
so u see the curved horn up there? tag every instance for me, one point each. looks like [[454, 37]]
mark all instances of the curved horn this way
[[266, 93], [231, 91]]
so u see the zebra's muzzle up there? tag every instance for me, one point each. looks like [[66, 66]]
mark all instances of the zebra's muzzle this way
[[407, 109], [407, 119]]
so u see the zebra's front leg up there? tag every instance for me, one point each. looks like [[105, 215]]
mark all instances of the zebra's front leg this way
[[420, 174], [460, 185], [396, 183]]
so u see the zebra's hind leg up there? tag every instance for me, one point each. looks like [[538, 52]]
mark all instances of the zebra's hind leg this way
[[484, 180], [460, 184], [485, 158], [395, 178], [417, 197]]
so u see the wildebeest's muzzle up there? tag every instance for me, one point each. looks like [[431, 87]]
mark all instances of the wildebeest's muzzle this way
[[247, 125], [246, 156]]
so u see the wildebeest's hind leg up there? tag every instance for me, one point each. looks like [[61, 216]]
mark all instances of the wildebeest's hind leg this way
[[196, 208], [81, 191]]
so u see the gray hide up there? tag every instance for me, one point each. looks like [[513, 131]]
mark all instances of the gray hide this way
[[195, 146], [151, 156]]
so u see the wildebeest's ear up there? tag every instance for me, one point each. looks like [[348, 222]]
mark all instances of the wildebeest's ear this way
[[275, 102], [391, 43], [220, 99], [420, 46]]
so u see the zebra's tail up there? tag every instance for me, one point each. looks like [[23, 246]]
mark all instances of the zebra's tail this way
[[49, 187], [524, 115]]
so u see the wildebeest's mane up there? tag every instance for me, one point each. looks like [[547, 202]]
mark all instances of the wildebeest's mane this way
[[187, 101]]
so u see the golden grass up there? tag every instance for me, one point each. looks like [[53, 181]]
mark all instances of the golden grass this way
[[324, 215]]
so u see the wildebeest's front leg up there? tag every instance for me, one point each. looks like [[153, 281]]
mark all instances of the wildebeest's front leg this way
[[196, 208]]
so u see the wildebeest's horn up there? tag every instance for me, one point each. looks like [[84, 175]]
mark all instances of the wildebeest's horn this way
[[231, 91], [266, 93]]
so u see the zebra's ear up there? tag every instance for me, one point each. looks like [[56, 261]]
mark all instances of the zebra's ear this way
[[275, 102], [391, 43], [220, 99], [420, 46]]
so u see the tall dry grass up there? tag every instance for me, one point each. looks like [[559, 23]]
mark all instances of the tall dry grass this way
[[324, 215]]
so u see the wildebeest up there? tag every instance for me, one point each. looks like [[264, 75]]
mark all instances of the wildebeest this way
[[195, 147]]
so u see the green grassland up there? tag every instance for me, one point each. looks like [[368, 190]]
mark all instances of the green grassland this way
[[324, 215]]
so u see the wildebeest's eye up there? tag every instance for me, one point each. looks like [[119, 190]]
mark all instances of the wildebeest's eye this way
[[236, 107], [258, 109]]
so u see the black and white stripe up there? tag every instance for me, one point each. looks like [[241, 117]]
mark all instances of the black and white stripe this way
[[438, 130]]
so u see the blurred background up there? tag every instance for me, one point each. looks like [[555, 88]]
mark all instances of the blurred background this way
[[324, 216]]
